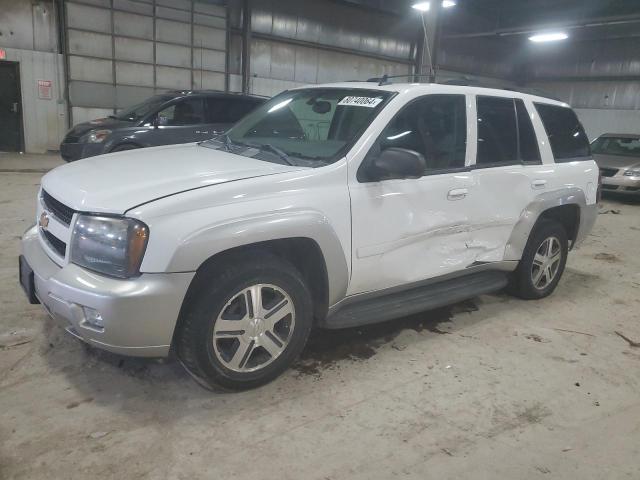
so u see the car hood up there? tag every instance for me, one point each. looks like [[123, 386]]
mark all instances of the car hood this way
[[101, 123], [616, 161], [117, 182]]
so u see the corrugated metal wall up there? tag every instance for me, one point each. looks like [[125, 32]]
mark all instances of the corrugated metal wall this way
[[600, 79], [122, 51], [296, 43], [28, 34], [480, 56]]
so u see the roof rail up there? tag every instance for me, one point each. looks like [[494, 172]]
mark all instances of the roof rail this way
[[464, 81], [384, 80]]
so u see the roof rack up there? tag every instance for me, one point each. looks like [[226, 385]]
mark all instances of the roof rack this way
[[464, 81], [384, 80]]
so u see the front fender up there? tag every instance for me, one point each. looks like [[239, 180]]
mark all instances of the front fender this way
[[202, 244]]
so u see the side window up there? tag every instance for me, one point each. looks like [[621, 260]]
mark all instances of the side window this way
[[529, 151], [497, 131], [566, 135], [185, 112], [435, 126]]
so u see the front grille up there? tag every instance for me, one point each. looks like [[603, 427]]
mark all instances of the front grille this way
[[57, 244], [59, 209], [632, 189], [609, 187], [608, 172]]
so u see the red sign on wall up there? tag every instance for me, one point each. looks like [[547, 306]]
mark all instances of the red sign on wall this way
[[3, 54], [44, 89]]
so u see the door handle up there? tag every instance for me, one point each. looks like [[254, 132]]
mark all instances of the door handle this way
[[202, 131], [457, 194], [539, 184]]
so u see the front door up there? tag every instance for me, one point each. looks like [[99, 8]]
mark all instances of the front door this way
[[181, 122], [10, 108], [409, 230]]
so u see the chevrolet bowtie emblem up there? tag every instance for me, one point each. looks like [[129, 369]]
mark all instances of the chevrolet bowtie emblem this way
[[44, 220]]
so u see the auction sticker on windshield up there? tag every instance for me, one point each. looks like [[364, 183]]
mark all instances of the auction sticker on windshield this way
[[370, 102]]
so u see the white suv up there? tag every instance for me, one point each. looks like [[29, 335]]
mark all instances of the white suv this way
[[331, 206]]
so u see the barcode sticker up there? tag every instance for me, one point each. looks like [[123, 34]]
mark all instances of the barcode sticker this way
[[370, 102]]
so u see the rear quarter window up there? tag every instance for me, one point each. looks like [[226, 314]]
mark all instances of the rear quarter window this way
[[566, 136]]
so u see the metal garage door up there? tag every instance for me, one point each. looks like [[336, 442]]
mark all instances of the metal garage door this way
[[122, 51]]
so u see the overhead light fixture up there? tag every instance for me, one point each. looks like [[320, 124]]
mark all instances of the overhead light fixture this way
[[448, 3], [548, 37], [422, 6]]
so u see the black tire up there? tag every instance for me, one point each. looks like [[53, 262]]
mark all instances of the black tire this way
[[522, 282], [125, 147], [216, 286]]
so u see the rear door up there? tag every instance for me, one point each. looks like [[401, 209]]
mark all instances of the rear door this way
[[223, 112], [507, 173]]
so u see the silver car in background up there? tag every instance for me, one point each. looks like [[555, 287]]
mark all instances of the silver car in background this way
[[618, 157]]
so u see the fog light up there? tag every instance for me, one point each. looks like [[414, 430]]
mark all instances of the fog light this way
[[93, 318]]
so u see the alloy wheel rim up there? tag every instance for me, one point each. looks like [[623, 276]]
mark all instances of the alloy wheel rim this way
[[254, 328], [546, 263]]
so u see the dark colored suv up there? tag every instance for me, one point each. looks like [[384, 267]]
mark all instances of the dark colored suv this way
[[168, 118]]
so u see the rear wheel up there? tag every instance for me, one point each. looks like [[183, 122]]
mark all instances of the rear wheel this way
[[249, 320], [542, 263]]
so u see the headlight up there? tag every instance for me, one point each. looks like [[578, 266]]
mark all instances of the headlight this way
[[97, 136], [110, 245], [632, 173]]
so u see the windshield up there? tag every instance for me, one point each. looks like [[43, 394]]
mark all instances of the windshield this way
[[141, 110], [307, 127], [620, 146]]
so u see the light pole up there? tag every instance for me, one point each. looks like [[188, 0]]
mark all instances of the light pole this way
[[423, 8], [430, 44]]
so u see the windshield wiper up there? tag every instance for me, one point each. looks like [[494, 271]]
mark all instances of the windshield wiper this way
[[227, 142], [267, 147]]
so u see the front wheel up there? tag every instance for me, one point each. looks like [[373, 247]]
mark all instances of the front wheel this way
[[250, 319], [542, 263]]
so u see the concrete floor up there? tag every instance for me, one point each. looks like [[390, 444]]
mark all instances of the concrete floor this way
[[494, 388]]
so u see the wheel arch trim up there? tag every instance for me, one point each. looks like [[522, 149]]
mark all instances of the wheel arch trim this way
[[201, 245], [546, 201]]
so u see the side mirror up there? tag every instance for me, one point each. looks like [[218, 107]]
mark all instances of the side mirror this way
[[398, 163], [155, 121]]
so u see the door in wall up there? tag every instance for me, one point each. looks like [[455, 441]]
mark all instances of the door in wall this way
[[10, 108]]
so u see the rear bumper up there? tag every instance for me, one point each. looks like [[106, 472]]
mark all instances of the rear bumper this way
[[75, 151], [139, 314]]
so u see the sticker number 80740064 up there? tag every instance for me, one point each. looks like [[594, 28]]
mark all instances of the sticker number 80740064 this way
[[370, 102]]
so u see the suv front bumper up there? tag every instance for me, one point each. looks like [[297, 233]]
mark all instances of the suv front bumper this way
[[138, 314]]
